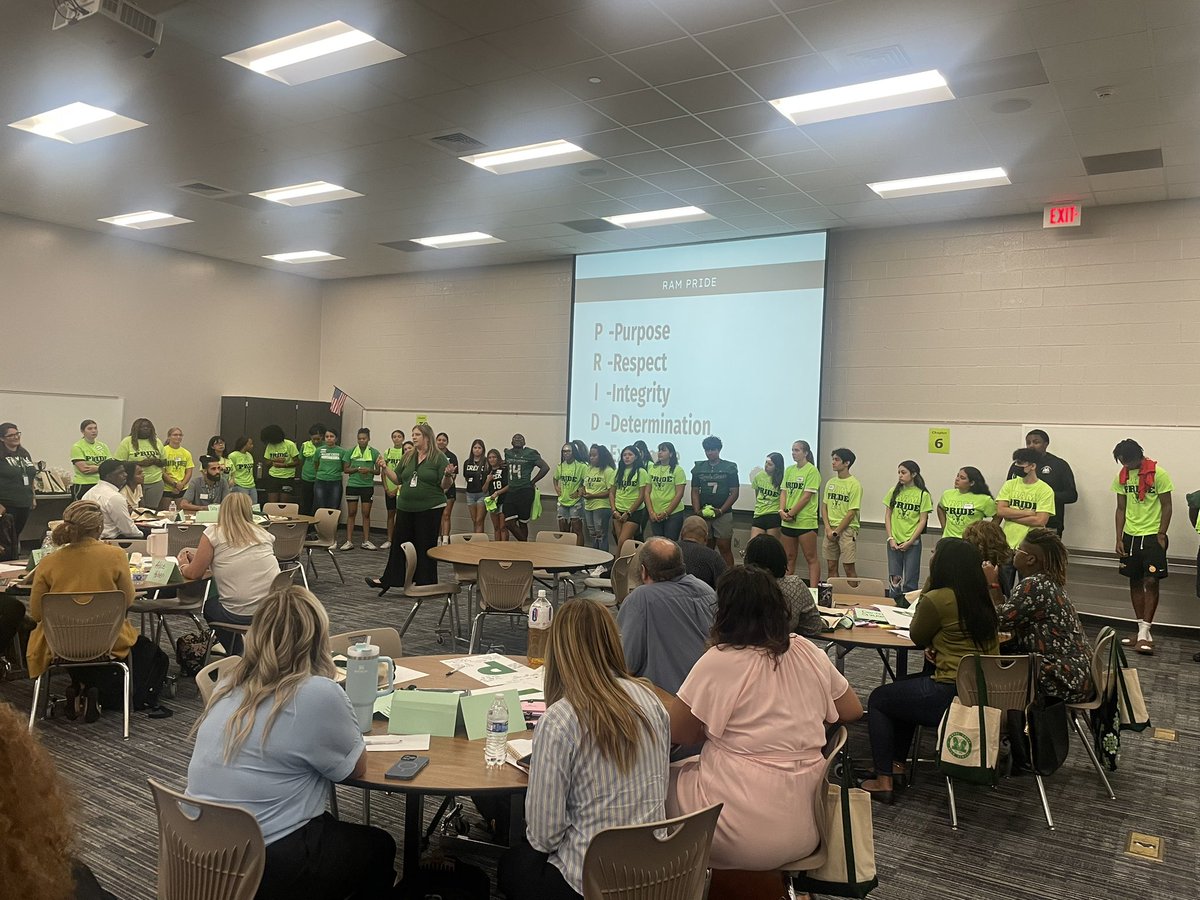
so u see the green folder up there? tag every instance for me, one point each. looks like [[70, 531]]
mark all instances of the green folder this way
[[164, 571], [475, 709], [206, 516], [423, 712]]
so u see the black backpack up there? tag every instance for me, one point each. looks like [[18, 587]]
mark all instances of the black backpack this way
[[149, 665]]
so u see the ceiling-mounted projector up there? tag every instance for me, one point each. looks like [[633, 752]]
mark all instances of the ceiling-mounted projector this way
[[129, 30]]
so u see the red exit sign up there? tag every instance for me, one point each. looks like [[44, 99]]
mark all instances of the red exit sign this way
[[1062, 215]]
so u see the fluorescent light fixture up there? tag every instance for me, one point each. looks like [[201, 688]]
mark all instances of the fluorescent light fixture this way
[[304, 194], [466, 239], [937, 184], [658, 217], [76, 123], [303, 256], [319, 52], [147, 218], [531, 156], [868, 97]]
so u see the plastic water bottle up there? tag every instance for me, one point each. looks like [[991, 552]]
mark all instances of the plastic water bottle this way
[[540, 614], [172, 512], [497, 733], [47, 543]]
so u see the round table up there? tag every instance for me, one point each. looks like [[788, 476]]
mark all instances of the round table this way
[[553, 557]]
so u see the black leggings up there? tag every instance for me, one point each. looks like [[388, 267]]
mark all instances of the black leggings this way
[[421, 530], [330, 860], [524, 872], [12, 614]]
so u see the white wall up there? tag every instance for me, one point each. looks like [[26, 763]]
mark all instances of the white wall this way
[[85, 313]]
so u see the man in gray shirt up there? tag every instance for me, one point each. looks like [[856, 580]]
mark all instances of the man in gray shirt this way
[[666, 621], [699, 559], [207, 490]]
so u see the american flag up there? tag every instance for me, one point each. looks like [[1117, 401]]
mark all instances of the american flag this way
[[338, 401]]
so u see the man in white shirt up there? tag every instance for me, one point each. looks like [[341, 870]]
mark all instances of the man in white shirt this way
[[107, 494]]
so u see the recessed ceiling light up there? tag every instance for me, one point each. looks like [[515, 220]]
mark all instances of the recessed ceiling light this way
[[936, 184], [658, 217], [76, 123], [466, 239], [328, 49], [868, 97], [532, 156], [595, 79], [304, 194], [303, 256], [145, 219]]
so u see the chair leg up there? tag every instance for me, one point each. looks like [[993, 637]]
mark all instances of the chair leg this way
[[411, 615], [1091, 752], [1045, 803], [303, 574], [128, 699], [476, 633], [37, 695], [953, 808], [337, 565], [309, 562], [366, 806], [915, 758], [333, 803]]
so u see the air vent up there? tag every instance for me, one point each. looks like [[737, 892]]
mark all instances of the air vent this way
[[591, 226], [874, 60], [1132, 161], [458, 142], [140, 22], [406, 246], [205, 190]]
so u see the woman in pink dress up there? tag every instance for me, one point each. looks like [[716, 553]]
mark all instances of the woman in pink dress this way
[[758, 700]]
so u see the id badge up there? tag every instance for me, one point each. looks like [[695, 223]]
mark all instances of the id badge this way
[[413, 481]]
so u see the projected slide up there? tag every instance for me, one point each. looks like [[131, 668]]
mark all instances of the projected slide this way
[[677, 343]]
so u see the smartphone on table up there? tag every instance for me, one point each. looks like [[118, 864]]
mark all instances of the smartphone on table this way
[[407, 768]]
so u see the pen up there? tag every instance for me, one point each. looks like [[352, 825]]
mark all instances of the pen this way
[[463, 691]]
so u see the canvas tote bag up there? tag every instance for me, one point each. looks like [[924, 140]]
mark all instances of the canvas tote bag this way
[[969, 737], [849, 868]]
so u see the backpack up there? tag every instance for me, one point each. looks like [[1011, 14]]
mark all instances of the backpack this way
[[189, 653], [148, 664]]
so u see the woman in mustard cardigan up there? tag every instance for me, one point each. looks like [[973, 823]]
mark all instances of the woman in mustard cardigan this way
[[80, 564]]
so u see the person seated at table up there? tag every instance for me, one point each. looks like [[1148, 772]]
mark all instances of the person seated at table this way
[[599, 756], [1041, 619], [241, 555], [699, 559], [954, 617], [758, 701], [210, 489], [666, 620], [766, 552], [80, 564], [132, 490], [277, 732], [988, 538], [106, 494]]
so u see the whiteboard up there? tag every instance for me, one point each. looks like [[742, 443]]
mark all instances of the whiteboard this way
[[49, 423]]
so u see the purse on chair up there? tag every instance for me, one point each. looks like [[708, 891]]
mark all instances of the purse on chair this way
[[969, 737]]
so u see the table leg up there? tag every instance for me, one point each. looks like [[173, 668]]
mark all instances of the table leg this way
[[414, 808], [516, 818]]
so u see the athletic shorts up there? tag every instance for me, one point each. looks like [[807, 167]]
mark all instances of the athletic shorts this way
[[389, 501], [474, 498], [844, 549], [452, 492], [365, 493], [797, 532], [273, 485], [767, 522], [569, 513], [518, 504], [721, 529], [1144, 557]]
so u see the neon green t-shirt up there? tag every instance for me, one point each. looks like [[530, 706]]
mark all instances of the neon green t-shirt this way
[[93, 454], [597, 481], [144, 449], [178, 462], [663, 482], [841, 496], [392, 456], [1143, 517], [330, 462], [569, 476], [242, 466], [278, 453], [1036, 497], [798, 480], [629, 488], [906, 514], [360, 457], [308, 469], [766, 495], [963, 510]]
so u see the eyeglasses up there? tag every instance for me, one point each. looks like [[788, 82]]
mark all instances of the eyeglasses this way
[[1021, 552], [12, 434]]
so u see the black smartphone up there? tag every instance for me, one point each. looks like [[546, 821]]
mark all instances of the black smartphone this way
[[407, 768]]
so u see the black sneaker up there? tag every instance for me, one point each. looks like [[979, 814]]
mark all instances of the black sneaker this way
[[71, 707], [91, 705]]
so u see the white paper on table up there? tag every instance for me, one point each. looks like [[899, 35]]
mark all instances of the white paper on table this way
[[404, 743], [532, 683], [476, 667], [902, 632], [405, 675], [897, 617], [7, 571]]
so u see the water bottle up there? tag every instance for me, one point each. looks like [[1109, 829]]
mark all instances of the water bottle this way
[[172, 512], [497, 733], [362, 681], [47, 544], [540, 614]]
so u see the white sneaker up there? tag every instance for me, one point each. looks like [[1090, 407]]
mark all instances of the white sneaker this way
[[367, 545], [386, 545], [346, 546]]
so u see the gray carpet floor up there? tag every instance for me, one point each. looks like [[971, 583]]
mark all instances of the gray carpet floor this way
[[1002, 850]]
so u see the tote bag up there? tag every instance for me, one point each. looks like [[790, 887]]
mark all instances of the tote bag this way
[[849, 867], [1131, 702], [969, 737]]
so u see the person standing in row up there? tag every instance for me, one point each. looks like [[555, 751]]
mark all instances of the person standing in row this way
[[443, 445], [391, 458], [522, 482], [16, 478], [906, 512], [178, 466], [768, 485], [839, 508], [496, 486], [216, 450], [715, 488], [969, 501], [798, 507], [475, 471], [627, 497], [568, 478], [143, 447], [241, 468], [308, 467], [1053, 471], [331, 465], [597, 483], [645, 457], [360, 487], [282, 454], [86, 455], [1144, 507], [664, 497], [1023, 503]]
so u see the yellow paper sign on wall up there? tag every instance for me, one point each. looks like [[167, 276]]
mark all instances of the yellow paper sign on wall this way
[[939, 440], [422, 420]]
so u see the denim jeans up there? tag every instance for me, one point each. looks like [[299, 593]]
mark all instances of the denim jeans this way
[[215, 614], [905, 565], [668, 527], [252, 493], [597, 525], [897, 709], [327, 495]]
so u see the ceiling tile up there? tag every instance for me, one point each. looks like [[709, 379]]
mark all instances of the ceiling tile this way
[[1083, 20], [763, 187], [712, 92], [471, 62], [706, 196], [682, 179], [773, 143], [789, 77], [777, 203], [616, 25], [615, 142], [745, 170], [543, 45], [754, 43], [708, 153], [706, 15], [796, 163], [675, 132], [1096, 57], [481, 16], [624, 188], [671, 61], [637, 108], [648, 163], [750, 119], [613, 77]]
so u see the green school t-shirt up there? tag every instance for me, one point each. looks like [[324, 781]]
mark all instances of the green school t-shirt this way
[[798, 480], [242, 466], [93, 454], [766, 495], [906, 514], [178, 461], [1036, 497], [360, 457], [1143, 517], [308, 469], [963, 510], [330, 461], [144, 449], [569, 476], [841, 496], [278, 453], [714, 481], [521, 464], [392, 456], [663, 482], [596, 481], [629, 488]]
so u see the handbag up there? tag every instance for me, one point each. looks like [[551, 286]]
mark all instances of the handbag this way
[[849, 867], [1131, 702], [969, 737], [47, 481], [1049, 734]]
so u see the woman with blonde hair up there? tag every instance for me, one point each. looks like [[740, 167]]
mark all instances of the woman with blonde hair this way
[[599, 755], [242, 558], [277, 732]]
